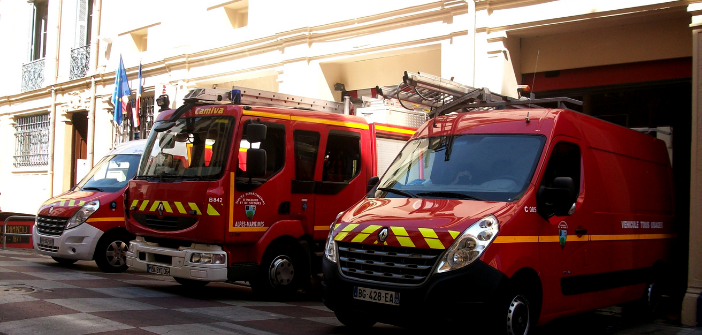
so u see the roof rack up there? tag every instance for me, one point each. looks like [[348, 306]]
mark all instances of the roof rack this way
[[249, 96], [445, 96]]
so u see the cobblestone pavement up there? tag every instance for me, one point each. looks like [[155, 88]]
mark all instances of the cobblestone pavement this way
[[39, 296]]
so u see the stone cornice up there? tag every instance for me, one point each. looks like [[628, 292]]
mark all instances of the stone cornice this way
[[660, 8]]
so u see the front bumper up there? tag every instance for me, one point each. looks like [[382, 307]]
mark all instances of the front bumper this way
[[470, 292], [76, 243], [143, 253]]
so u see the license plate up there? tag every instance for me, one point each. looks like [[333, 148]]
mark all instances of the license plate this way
[[159, 270], [49, 242], [383, 297]]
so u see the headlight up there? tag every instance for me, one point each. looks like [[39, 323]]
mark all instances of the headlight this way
[[470, 245], [83, 214], [205, 258], [330, 247]]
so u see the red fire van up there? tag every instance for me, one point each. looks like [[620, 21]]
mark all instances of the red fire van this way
[[87, 222], [516, 216]]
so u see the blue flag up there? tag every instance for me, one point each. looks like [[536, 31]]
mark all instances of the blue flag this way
[[122, 93]]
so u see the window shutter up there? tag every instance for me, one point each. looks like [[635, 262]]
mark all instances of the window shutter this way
[[82, 14]]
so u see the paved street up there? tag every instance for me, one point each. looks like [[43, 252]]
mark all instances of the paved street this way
[[38, 296]]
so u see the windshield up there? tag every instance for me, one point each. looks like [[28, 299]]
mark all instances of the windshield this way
[[194, 148], [111, 174], [472, 167]]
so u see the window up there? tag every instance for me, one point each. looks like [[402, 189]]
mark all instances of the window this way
[[32, 141], [84, 10], [274, 144], [111, 174], [306, 148], [39, 30], [342, 158], [564, 162]]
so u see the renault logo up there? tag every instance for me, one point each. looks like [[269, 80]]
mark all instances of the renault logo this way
[[160, 210], [51, 209], [382, 235]]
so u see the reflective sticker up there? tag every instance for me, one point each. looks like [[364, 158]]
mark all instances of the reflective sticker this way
[[143, 205], [434, 243], [81, 203], [454, 233], [336, 225], [63, 202], [405, 241], [134, 203], [193, 206], [72, 203], [211, 210], [350, 227], [370, 229], [400, 231], [428, 233], [340, 236], [359, 238], [180, 207]]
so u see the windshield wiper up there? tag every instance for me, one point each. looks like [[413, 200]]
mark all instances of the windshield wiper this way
[[92, 189], [396, 191], [455, 195]]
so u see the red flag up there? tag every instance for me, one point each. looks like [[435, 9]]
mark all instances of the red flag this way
[[135, 115]]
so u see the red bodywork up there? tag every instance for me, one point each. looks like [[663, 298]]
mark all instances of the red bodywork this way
[[105, 218], [220, 208], [629, 223]]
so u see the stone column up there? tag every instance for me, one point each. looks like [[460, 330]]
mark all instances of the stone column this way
[[692, 303]]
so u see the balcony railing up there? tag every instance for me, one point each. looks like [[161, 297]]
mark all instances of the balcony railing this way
[[80, 57], [33, 75]]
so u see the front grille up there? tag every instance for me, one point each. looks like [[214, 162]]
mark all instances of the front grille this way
[[51, 225], [408, 266], [45, 248], [167, 223]]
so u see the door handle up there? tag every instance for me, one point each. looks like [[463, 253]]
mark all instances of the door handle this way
[[580, 232]]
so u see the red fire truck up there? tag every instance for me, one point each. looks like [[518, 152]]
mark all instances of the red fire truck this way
[[242, 185], [501, 215]]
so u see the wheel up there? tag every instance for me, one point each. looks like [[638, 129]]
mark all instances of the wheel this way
[[647, 305], [64, 261], [519, 315], [111, 252], [354, 320], [190, 282], [282, 272]]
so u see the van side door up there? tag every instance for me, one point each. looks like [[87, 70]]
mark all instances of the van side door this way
[[563, 239]]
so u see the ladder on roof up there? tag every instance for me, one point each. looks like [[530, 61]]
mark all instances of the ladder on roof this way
[[445, 96], [249, 96]]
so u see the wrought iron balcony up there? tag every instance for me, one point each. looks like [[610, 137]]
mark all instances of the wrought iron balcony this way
[[33, 75], [80, 57]]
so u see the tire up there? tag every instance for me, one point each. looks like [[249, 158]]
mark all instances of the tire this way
[[647, 305], [190, 282], [354, 320], [111, 252], [64, 261], [282, 272], [518, 315]]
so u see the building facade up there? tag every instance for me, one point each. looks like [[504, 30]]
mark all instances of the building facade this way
[[632, 62]]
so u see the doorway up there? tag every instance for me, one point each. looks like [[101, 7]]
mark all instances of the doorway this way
[[79, 147]]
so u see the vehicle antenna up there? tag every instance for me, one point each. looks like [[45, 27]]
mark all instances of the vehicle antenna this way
[[533, 81]]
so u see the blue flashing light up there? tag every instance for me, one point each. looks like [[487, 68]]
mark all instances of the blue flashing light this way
[[236, 96]]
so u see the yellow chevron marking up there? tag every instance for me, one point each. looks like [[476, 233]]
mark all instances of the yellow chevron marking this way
[[350, 227], [454, 233], [340, 236], [434, 243], [154, 205], [360, 238], [211, 210], [193, 206], [134, 203], [167, 206], [370, 229], [399, 231], [72, 203], [428, 233], [405, 241], [336, 225], [180, 207], [81, 203], [143, 205], [62, 202]]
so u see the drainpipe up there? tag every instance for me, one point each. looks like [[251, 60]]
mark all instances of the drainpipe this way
[[52, 116], [94, 56]]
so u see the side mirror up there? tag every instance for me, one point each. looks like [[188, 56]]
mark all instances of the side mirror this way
[[557, 199], [163, 126], [372, 182], [167, 141], [255, 132], [255, 163]]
